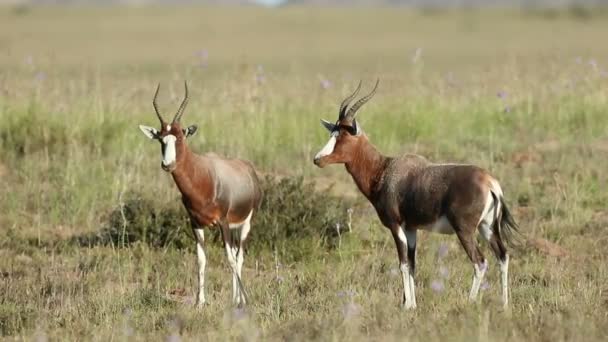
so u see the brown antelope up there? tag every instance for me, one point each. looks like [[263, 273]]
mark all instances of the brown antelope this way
[[216, 192], [411, 193]]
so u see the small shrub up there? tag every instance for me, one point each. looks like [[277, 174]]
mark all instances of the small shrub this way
[[294, 220], [138, 219]]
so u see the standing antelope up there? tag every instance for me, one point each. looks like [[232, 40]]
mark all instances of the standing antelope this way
[[216, 191], [411, 193]]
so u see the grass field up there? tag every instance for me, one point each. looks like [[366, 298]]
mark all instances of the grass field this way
[[522, 94]]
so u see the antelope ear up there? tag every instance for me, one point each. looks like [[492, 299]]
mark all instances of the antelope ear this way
[[150, 132], [190, 131], [328, 125]]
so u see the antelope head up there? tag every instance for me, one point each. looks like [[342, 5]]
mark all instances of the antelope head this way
[[171, 135], [345, 134]]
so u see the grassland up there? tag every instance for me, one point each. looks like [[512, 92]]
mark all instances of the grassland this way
[[523, 95]]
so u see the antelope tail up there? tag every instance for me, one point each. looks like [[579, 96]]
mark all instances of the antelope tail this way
[[504, 223]]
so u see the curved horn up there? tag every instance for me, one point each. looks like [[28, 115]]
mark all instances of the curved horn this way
[[347, 100], [352, 112], [162, 122], [180, 111]]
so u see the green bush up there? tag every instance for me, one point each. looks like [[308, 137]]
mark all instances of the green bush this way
[[293, 220], [138, 219]]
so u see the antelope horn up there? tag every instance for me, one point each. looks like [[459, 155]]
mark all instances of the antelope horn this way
[[346, 102], [352, 111], [180, 111], [162, 122]]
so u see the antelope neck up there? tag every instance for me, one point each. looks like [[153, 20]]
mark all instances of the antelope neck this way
[[190, 174], [366, 167]]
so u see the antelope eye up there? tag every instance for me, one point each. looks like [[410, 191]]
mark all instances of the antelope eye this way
[[350, 130]]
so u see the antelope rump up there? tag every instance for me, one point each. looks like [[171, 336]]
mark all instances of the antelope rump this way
[[216, 192], [410, 193]]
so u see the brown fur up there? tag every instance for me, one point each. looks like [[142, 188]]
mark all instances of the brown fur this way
[[216, 192], [411, 193], [199, 183]]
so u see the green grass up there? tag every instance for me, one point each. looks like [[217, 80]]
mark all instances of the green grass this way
[[76, 82]]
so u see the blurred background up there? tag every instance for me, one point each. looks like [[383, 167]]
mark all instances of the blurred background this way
[[92, 233]]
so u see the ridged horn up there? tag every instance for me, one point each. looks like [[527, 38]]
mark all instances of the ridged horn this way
[[162, 122], [347, 101], [180, 111], [352, 111]]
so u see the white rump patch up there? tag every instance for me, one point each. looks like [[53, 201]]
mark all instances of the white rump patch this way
[[169, 153], [329, 147], [495, 186], [489, 214], [441, 226]]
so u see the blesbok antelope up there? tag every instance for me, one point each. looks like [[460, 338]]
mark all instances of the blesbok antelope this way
[[411, 193], [216, 192]]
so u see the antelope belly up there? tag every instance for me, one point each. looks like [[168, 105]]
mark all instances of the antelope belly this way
[[441, 226]]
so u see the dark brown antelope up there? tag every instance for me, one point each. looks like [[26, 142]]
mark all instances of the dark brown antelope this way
[[411, 193], [216, 192]]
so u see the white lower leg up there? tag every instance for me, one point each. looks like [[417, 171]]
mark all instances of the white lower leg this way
[[412, 290], [239, 265], [409, 302], [504, 277], [202, 263], [480, 271], [233, 269]]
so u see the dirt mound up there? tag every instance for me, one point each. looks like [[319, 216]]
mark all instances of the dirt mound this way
[[547, 247]]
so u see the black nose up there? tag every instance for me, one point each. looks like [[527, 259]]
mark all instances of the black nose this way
[[168, 168]]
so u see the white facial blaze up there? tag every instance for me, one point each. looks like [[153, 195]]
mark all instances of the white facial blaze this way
[[329, 147], [169, 149]]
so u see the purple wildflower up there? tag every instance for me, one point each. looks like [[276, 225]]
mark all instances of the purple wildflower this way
[[593, 64], [437, 286], [325, 83], [174, 337], [485, 286], [502, 95], [203, 56], [239, 314], [40, 76], [347, 293]]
